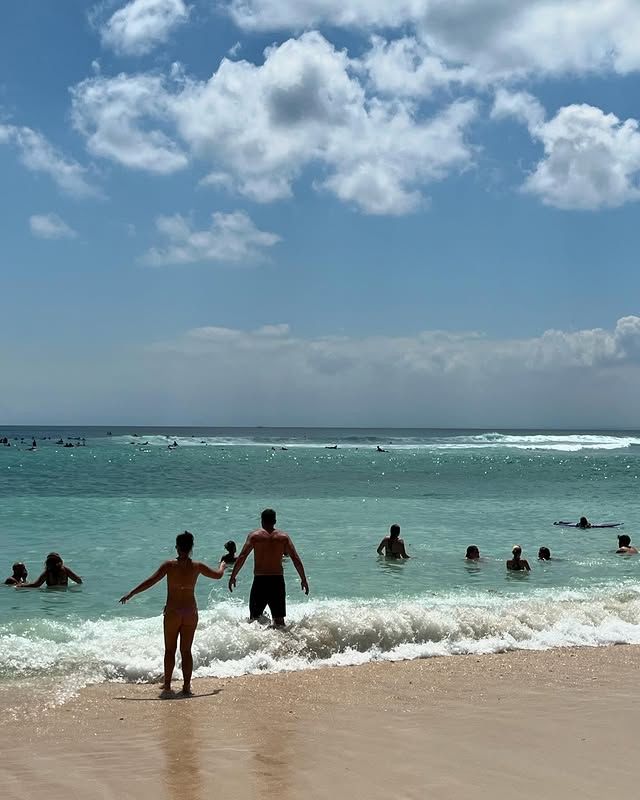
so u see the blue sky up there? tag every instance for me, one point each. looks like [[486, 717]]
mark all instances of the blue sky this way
[[320, 212]]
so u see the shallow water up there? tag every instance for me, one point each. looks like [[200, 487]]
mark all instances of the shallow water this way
[[113, 507]]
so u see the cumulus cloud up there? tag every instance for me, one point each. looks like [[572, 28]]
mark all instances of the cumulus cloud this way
[[231, 238], [496, 39], [39, 155], [141, 25], [50, 226], [591, 159], [113, 115], [259, 127]]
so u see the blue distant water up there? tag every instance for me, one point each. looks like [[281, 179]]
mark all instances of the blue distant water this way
[[113, 507]]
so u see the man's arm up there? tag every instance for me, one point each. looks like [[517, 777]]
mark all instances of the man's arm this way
[[73, 575], [381, 546], [209, 572], [244, 554], [297, 563], [403, 552], [526, 566], [142, 587]]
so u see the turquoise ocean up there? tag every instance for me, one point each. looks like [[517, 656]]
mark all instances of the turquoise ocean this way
[[113, 507]]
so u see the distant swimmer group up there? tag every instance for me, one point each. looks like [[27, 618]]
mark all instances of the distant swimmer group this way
[[55, 573]]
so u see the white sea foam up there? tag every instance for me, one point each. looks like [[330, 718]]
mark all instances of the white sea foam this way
[[320, 633], [485, 441]]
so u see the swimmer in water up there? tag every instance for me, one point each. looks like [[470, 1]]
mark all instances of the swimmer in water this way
[[230, 556], [518, 564], [544, 554], [624, 545], [392, 544], [19, 574], [180, 611], [473, 553], [583, 523], [56, 573]]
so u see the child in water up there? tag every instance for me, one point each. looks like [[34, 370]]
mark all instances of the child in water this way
[[230, 556], [19, 574]]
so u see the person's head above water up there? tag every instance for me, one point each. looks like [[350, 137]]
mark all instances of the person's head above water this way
[[394, 531], [184, 543], [19, 571], [230, 546], [583, 523], [516, 550], [268, 518], [473, 552], [544, 554], [53, 562], [624, 540]]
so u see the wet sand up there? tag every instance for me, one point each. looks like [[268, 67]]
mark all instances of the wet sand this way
[[557, 724]]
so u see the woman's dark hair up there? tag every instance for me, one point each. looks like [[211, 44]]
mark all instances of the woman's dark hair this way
[[53, 562], [544, 553], [184, 542], [230, 546], [472, 551], [624, 540], [394, 531]]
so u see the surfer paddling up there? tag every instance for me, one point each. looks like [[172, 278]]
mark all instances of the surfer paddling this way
[[269, 546], [181, 611]]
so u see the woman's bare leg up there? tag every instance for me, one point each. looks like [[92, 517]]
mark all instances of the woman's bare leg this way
[[172, 622], [187, 632]]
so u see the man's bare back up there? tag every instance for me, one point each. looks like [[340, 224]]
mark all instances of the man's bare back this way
[[269, 548]]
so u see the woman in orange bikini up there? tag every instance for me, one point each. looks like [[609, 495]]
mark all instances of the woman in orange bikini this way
[[181, 611]]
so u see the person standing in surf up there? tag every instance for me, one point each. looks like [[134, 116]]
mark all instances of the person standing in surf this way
[[269, 546], [180, 611], [517, 563]]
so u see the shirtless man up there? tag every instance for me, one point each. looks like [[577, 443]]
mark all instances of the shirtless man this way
[[269, 546], [516, 563], [625, 547], [392, 544], [181, 611]]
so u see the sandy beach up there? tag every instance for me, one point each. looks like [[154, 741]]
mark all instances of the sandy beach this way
[[561, 723]]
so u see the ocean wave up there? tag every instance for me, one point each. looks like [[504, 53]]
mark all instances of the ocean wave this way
[[320, 633], [569, 443]]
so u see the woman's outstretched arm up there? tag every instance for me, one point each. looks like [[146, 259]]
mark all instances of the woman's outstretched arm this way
[[158, 575]]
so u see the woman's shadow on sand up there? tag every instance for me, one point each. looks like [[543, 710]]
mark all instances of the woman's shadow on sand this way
[[165, 696]]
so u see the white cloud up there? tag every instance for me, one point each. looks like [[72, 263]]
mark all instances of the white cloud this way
[[497, 39], [591, 159], [259, 127], [141, 25], [39, 155], [50, 226], [406, 68], [231, 238], [112, 113], [430, 378]]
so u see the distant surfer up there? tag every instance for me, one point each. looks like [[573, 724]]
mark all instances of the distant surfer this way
[[269, 546], [518, 564], [331, 447], [544, 554], [380, 449], [392, 545], [583, 523], [56, 573], [624, 545], [180, 611], [19, 575]]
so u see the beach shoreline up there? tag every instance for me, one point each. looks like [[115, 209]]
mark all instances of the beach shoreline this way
[[552, 723]]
